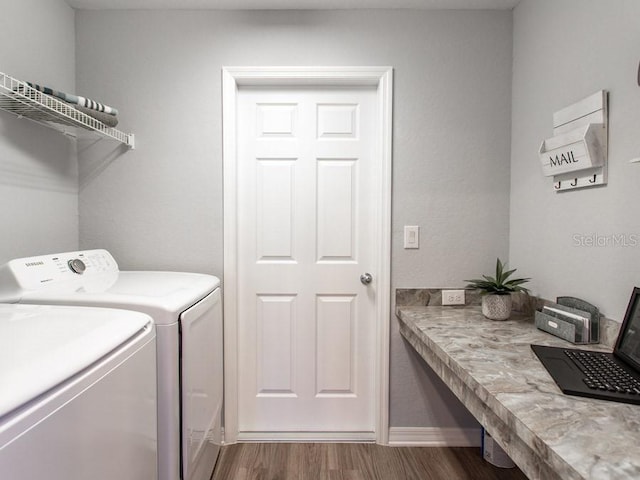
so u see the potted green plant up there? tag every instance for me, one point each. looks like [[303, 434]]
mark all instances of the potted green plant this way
[[496, 291]]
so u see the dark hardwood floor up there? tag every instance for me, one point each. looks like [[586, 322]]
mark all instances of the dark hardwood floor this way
[[354, 461]]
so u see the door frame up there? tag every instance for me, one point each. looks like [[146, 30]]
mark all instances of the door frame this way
[[232, 79]]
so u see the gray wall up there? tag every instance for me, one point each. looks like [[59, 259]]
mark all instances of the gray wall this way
[[160, 206], [38, 167], [565, 50]]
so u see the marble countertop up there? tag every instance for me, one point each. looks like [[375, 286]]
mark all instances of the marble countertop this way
[[490, 366]]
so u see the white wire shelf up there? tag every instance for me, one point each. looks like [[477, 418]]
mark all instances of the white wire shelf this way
[[19, 98]]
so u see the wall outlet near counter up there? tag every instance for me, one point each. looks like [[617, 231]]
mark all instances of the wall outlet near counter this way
[[452, 297]]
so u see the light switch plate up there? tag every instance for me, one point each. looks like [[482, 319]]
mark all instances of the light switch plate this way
[[411, 236]]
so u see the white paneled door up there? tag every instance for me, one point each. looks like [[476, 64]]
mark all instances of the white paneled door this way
[[306, 200]]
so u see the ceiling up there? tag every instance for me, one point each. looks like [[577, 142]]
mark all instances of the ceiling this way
[[291, 4]]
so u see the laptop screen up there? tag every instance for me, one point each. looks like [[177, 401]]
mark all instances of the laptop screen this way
[[628, 343]]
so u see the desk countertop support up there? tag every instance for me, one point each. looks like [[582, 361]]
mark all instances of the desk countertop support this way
[[491, 368]]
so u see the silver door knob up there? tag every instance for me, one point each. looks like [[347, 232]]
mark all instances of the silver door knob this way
[[366, 278]]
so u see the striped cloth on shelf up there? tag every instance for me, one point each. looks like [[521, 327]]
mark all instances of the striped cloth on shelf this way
[[76, 99], [106, 118], [73, 111]]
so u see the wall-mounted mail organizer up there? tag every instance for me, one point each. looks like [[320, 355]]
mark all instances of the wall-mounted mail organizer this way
[[576, 155], [570, 318]]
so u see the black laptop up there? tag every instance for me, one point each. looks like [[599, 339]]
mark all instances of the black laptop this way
[[607, 376]]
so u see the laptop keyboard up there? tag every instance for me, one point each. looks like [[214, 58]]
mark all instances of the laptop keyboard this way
[[602, 373]]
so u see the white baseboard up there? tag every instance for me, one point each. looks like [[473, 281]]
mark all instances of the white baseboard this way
[[315, 437], [398, 436], [434, 437]]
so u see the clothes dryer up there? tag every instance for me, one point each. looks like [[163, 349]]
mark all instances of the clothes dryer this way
[[187, 312], [78, 394]]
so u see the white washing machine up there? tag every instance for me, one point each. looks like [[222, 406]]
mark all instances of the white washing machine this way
[[187, 312], [77, 394]]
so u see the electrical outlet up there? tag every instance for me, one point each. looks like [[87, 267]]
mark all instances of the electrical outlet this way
[[452, 297]]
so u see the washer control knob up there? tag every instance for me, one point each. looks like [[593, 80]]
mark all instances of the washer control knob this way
[[77, 266]]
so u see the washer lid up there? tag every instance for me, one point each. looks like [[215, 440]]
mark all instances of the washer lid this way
[[163, 295], [42, 346]]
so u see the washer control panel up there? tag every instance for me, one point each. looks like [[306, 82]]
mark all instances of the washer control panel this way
[[77, 266], [33, 273]]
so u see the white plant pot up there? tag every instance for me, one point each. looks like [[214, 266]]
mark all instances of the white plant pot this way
[[496, 307]]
